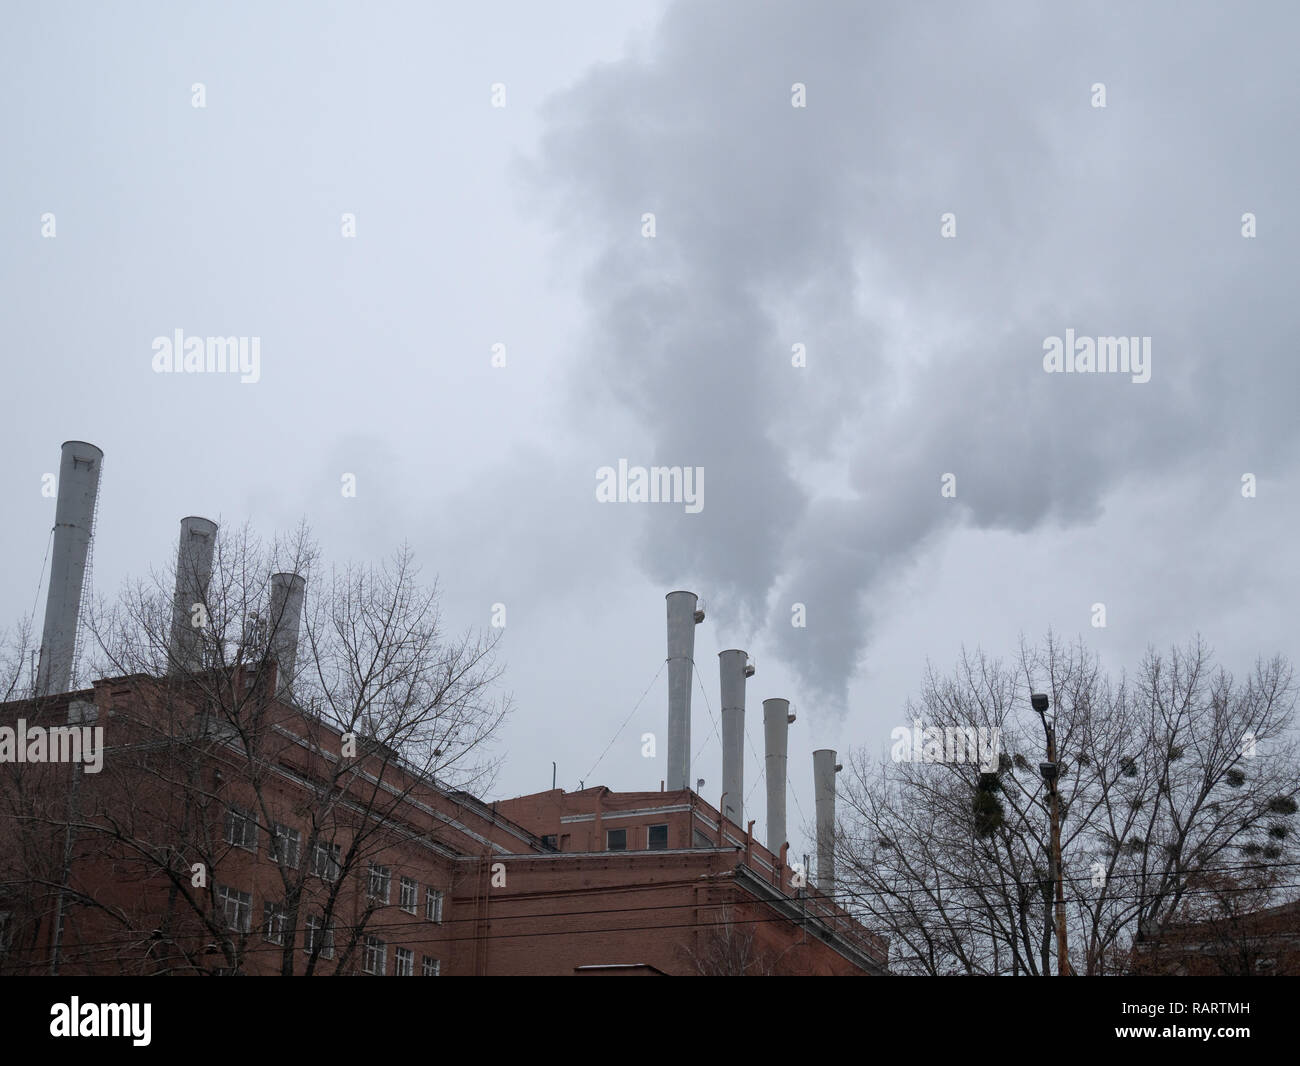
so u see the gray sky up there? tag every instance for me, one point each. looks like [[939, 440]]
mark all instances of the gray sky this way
[[775, 225]]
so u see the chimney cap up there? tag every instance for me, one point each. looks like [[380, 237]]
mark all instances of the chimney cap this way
[[749, 667], [85, 444]]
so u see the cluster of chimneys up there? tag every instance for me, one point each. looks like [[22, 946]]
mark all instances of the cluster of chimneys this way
[[734, 668], [74, 516]]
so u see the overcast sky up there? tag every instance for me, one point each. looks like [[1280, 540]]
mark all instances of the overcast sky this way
[[775, 225]]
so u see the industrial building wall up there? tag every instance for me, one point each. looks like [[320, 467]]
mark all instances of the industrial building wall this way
[[510, 906], [682, 913], [165, 791]]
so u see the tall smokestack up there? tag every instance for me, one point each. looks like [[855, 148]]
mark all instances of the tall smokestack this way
[[193, 572], [733, 668], [682, 620], [824, 770], [74, 516], [286, 613], [776, 728]]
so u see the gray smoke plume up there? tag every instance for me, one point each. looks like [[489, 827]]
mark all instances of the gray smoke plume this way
[[821, 225]]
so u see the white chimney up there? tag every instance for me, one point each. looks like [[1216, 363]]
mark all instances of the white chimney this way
[[287, 592], [824, 770], [776, 728], [74, 517], [733, 668], [193, 573], [682, 620]]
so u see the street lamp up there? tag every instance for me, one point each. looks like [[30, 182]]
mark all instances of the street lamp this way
[[1051, 772]]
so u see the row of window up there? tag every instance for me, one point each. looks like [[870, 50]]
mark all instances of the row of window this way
[[656, 838], [286, 850], [379, 885], [286, 844], [237, 907], [376, 961]]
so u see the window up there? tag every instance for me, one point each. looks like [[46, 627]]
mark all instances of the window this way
[[433, 905], [316, 933], [286, 846], [381, 878], [430, 967], [237, 907], [616, 840], [700, 839], [275, 923], [241, 829], [410, 894], [657, 838], [548, 841], [376, 956], [6, 921], [403, 962], [325, 861]]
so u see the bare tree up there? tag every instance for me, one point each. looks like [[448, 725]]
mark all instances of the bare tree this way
[[1166, 778], [1225, 927], [209, 739], [725, 948], [31, 799]]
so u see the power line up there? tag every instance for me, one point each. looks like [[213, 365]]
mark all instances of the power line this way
[[1117, 874], [372, 928], [809, 902]]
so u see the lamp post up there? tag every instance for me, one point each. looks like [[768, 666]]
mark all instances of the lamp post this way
[[1051, 772]]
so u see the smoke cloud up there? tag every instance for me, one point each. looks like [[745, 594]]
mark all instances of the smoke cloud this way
[[821, 225]]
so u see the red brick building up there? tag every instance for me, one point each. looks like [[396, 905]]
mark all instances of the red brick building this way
[[376, 862], [1260, 943], [655, 880], [378, 869]]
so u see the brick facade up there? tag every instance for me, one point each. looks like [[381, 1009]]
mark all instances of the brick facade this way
[[528, 886]]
